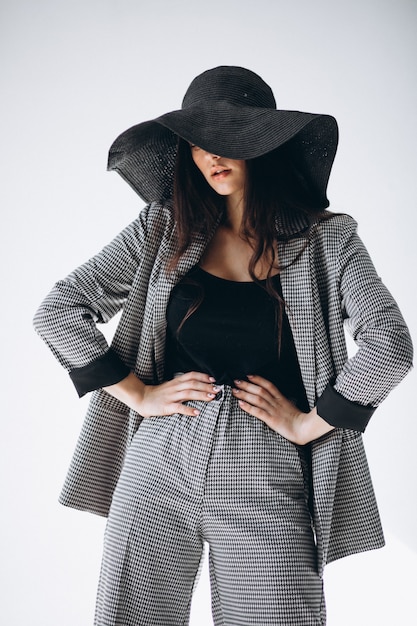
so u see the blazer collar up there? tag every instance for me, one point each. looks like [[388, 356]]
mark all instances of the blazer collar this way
[[290, 224]]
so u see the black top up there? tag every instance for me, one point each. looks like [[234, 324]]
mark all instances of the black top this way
[[232, 333]]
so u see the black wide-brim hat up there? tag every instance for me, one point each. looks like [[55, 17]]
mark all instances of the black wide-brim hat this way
[[231, 112]]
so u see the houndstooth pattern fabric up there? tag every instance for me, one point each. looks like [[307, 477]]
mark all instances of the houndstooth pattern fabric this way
[[332, 282], [183, 483]]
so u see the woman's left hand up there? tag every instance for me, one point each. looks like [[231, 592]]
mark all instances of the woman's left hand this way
[[263, 400]]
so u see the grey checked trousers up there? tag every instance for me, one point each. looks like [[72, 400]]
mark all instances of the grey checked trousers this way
[[226, 478]]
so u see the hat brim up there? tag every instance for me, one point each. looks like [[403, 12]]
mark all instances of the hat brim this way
[[144, 155]]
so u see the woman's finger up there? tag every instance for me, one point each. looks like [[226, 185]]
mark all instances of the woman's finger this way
[[193, 386], [261, 400], [257, 412], [265, 384], [264, 393], [194, 376], [183, 409], [193, 394], [197, 382]]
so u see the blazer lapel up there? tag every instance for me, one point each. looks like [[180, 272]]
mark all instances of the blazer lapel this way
[[297, 293], [166, 282]]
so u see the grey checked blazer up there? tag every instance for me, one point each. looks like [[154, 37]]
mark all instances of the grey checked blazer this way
[[333, 283]]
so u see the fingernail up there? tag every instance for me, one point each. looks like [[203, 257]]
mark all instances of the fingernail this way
[[250, 375], [196, 412], [238, 382], [216, 388], [211, 379], [210, 395]]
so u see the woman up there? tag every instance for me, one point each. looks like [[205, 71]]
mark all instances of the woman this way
[[227, 410]]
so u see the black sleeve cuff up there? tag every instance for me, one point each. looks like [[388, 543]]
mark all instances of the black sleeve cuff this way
[[107, 370], [337, 411]]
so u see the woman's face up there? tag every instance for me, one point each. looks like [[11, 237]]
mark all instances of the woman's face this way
[[226, 176]]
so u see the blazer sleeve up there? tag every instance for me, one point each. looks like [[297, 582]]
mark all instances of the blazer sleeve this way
[[92, 294], [385, 351]]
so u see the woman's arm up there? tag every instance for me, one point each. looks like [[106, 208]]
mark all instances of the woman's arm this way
[[372, 317], [383, 358], [67, 319]]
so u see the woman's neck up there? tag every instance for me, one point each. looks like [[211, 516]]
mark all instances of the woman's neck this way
[[234, 214]]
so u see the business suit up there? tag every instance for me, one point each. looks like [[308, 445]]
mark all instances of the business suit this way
[[325, 281]]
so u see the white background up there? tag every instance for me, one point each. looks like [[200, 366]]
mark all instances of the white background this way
[[73, 76]]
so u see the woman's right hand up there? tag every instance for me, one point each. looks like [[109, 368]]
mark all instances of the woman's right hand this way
[[166, 398]]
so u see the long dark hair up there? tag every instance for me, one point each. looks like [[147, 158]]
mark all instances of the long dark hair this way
[[273, 185]]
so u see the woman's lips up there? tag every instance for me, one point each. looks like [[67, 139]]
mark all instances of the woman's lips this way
[[219, 174]]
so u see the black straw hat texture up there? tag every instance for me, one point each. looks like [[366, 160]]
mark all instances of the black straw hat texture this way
[[231, 112]]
